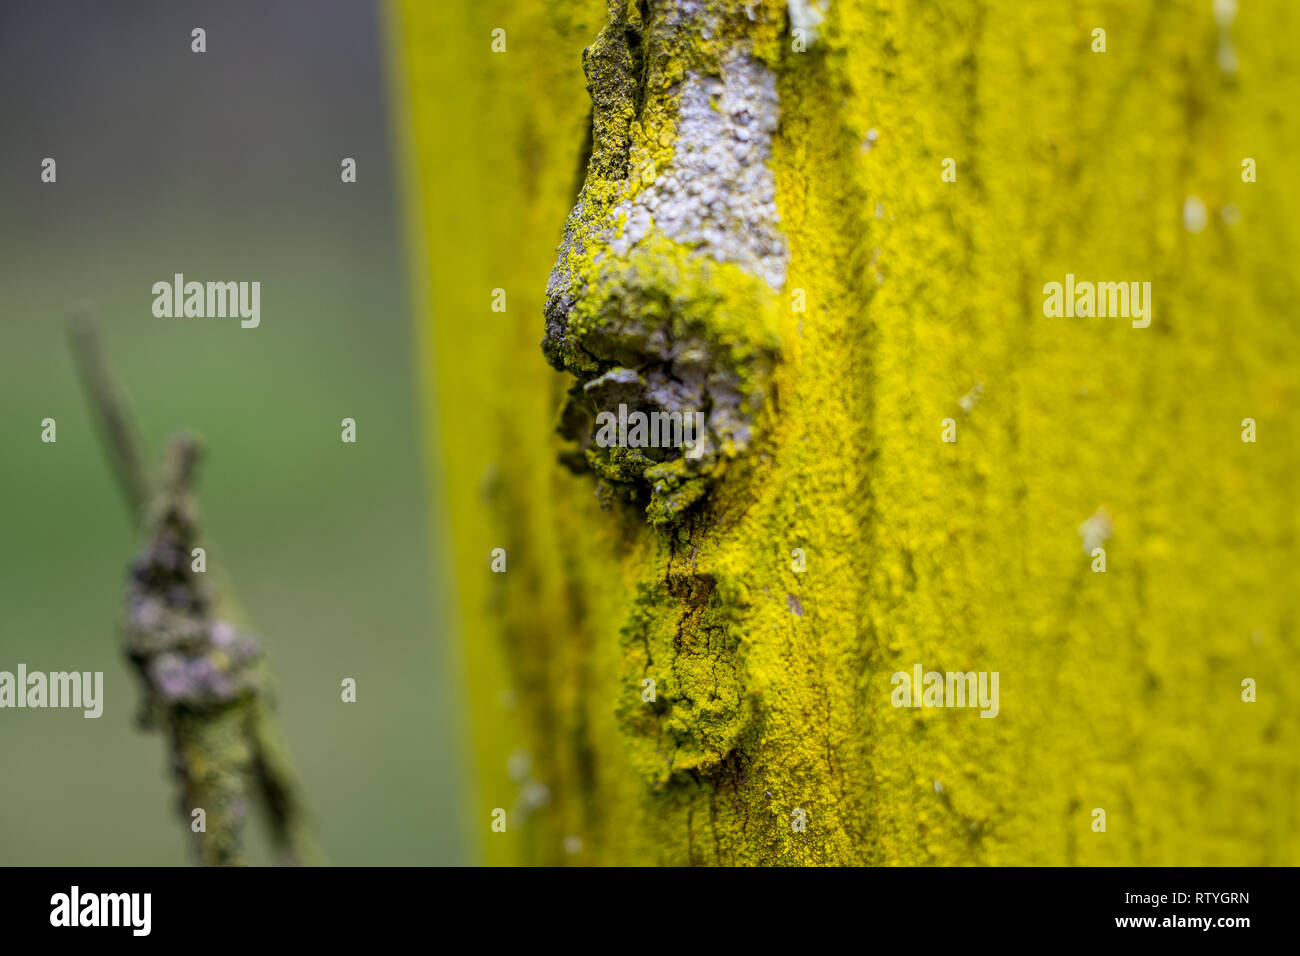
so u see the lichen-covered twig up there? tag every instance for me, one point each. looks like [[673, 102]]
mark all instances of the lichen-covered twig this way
[[206, 681]]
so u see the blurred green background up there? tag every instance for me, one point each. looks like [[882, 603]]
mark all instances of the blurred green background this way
[[224, 166]]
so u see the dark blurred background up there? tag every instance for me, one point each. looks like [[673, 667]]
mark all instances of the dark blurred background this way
[[225, 166]]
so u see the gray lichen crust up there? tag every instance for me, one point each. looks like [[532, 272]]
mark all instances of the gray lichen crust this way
[[188, 657], [718, 195], [664, 296]]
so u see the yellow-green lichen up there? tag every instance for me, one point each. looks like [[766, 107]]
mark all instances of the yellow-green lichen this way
[[1120, 690]]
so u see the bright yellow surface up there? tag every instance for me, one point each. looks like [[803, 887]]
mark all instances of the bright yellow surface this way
[[1119, 690]]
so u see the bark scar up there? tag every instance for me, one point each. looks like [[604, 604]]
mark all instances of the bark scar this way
[[664, 299]]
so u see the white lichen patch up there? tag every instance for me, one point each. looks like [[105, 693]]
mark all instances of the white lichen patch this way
[[718, 194], [807, 15], [971, 398], [1195, 216], [1096, 530]]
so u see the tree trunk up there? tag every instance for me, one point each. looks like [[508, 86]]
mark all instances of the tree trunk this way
[[907, 461]]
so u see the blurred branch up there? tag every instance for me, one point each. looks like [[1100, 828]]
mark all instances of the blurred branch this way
[[206, 682], [109, 407]]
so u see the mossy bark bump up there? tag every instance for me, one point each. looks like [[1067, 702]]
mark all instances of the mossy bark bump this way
[[657, 209]]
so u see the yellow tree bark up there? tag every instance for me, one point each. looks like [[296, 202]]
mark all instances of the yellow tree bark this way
[[833, 226]]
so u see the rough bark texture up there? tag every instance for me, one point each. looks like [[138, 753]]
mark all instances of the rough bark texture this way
[[205, 680], [727, 175]]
